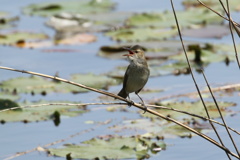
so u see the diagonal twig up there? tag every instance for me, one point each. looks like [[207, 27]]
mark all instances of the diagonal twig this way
[[235, 23], [220, 113], [148, 105], [230, 27]]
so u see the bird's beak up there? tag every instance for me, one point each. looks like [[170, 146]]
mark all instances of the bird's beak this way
[[129, 50]]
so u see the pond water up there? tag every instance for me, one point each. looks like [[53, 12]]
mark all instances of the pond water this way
[[18, 136]]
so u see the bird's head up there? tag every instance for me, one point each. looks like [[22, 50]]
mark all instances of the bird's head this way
[[135, 53]]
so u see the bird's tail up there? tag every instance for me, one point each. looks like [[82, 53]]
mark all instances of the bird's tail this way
[[123, 93]]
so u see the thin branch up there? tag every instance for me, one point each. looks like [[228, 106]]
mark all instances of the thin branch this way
[[64, 104], [148, 105], [221, 88], [189, 65], [220, 113], [230, 27], [193, 115], [235, 23], [134, 104]]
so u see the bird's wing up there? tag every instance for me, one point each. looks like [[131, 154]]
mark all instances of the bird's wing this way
[[126, 77]]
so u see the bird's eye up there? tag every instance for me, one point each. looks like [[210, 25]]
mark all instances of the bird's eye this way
[[136, 51]]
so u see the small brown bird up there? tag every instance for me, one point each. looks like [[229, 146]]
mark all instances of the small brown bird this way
[[137, 73]]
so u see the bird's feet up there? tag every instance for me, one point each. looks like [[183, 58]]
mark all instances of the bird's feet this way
[[130, 103], [145, 108]]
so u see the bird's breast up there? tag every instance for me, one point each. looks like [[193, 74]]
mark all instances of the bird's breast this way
[[137, 77]]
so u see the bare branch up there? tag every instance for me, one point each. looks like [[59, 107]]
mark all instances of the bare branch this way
[[134, 104]]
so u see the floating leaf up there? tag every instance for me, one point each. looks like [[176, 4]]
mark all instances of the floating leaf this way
[[19, 38], [78, 39], [69, 22], [41, 113], [41, 85], [152, 129], [141, 34], [153, 50], [6, 20], [233, 5], [9, 95], [166, 19], [207, 56], [6, 103], [73, 6], [193, 107], [110, 148]]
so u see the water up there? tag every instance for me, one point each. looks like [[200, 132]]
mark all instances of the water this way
[[17, 137]]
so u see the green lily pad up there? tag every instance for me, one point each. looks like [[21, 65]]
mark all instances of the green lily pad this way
[[141, 34], [110, 148], [152, 129], [175, 68], [6, 103], [193, 107], [41, 113], [166, 19], [207, 56], [37, 85], [73, 6], [153, 50], [233, 5], [9, 95], [17, 38], [6, 20]]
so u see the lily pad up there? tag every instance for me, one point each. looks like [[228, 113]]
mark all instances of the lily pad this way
[[207, 56], [72, 6], [141, 34], [166, 19], [41, 113], [110, 148], [6, 21], [4, 94], [153, 50], [233, 5], [6, 103], [17, 38], [193, 107], [37, 85], [77, 39], [152, 129]]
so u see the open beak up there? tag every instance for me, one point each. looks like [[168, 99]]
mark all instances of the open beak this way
[[129, 50]]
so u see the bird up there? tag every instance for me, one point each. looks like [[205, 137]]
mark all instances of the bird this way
[[137, 73]]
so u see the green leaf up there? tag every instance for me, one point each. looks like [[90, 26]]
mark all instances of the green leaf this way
[[233, 5], [37, 85], [110, 148], [6, 20], [17, 38], [72, 6], [41, 113], [193, 107], [166, 19], [6, 103], [141, 34], [152, 128], [7, 95]]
